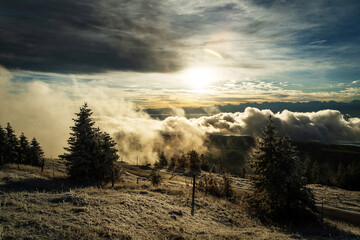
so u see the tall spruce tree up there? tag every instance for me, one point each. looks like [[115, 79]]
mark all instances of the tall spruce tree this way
[[91, 154], [280, 193], [81, 145]]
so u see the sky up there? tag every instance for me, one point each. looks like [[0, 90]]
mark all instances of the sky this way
[[122, 56], [186, 53]]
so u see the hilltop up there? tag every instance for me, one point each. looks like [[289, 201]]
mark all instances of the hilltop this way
[[44, 205]]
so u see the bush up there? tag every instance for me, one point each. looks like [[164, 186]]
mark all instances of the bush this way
[[210, 184], [155, 178]]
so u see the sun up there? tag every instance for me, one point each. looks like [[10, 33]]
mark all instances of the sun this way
[[199, 78]]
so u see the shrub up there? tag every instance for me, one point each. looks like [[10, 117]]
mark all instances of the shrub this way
[[155, 178], [210, 184]]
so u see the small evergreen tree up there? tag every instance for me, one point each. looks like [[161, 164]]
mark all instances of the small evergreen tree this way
[[280, 194], [91, 154], [36, 154], [12, 145], [172, 163], [2, 146], [183, 162], [227, 188], [308, 163], [219, 168], [205, 166], [315, 173], [105, 162], [163, 162], [340, 175], [194, 160], [24, 150]]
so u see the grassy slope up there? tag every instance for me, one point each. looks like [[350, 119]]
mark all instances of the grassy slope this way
[[38, 207]]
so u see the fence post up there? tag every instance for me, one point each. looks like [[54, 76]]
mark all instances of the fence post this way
[[322, 208], [193, 197]]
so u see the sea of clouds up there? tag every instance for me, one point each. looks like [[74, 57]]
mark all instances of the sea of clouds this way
[[43, 111]]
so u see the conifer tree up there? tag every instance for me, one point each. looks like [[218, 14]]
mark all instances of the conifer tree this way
[[91, 154], [162, 160], [172, 163], [36, 154], [182, 161], [219, 167], [194, 160], [12, 145], [2, 146], [105, 167], [280, 194], [24, 150], [308, 164], [341, 175], [204, 163], [81, 145], [315, 173]]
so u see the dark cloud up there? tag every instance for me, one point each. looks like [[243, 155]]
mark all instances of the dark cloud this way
[[85, 36]]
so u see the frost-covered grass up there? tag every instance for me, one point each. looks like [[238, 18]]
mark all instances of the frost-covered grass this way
[[131, 210]]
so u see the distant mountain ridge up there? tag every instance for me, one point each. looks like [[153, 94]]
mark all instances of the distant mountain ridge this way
[[351, 109]]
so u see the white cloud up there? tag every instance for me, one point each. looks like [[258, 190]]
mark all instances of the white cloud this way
[[318, 42]]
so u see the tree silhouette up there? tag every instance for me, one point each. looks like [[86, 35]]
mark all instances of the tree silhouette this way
[[91, 154], [182, 161], [194, 160], [24, 150], [315, 173], [204, 163], [36, 154], [2, 146], [162, 160], [105, 161], [12, 145], [280, 193], [82, 145]]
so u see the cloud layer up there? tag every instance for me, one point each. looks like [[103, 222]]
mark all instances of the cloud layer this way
[[40, 111], [327, 126]]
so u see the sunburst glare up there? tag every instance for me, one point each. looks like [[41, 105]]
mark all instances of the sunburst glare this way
[[200, 78]]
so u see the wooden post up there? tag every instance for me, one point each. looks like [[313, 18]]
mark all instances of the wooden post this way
[[322, 208], [193, 197]]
